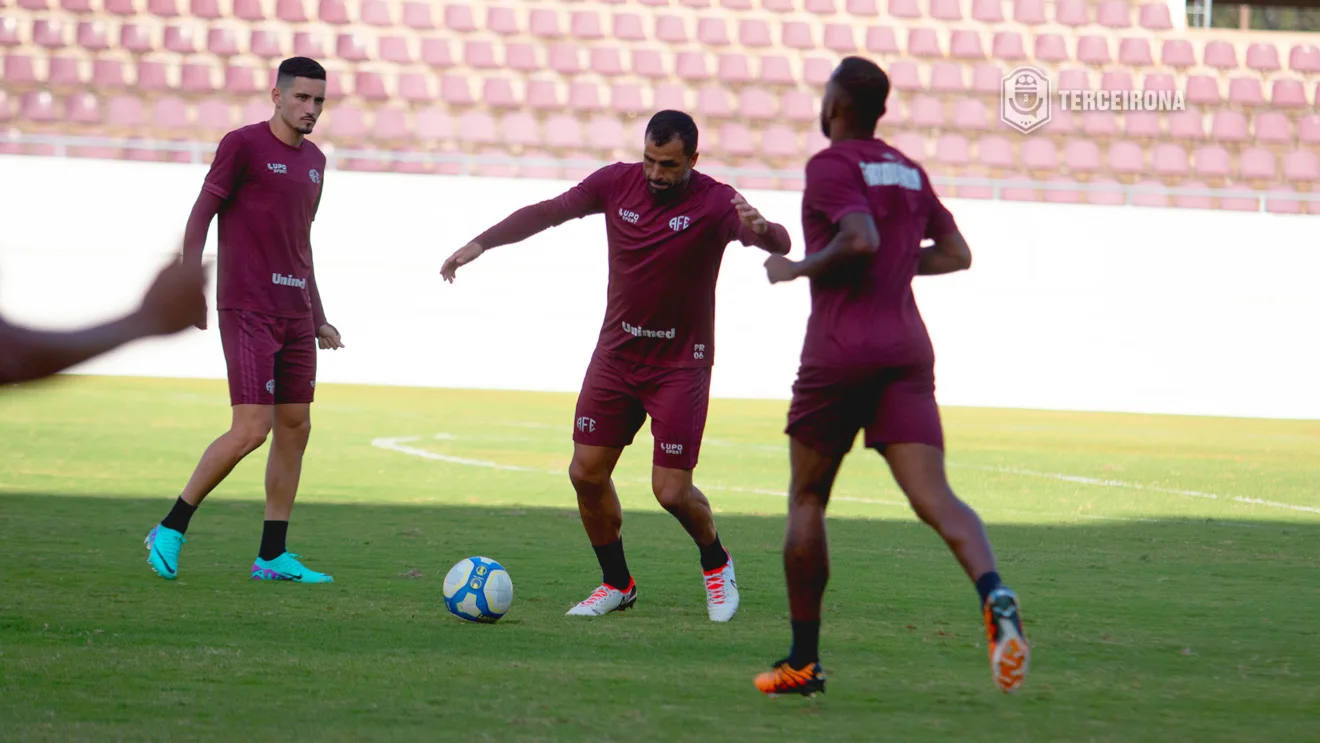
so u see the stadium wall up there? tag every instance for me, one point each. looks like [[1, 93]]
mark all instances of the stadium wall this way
[[1066, 307]]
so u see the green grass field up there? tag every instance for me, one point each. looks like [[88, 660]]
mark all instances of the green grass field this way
[[1168, 568]]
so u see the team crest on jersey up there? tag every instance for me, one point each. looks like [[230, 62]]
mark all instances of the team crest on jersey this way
[[678, 224], [315, 176]]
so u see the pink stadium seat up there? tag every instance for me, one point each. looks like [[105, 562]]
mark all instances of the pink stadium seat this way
[[779, 141], [1051, 48], [904, 9], [92, 36], [415, 87], [249, 10], [1256, 164], [903, 75], [988, 11], [1288, 93], [670, 97], [691, 66], [1302, 166], [1155, 16], [502, 21], [670, 29], [108, 73], [776, 70], [964, 44], [1169, 160], [1192, 200], [125, 112], [308, 44], [911, 144], [19, 69], [797, 105], [839, 38], [712, 31], [254, 111], [1187, 124], [628, 27], [1071, 12], [64, 72], [1093, 50], [454, 90], [1304, 58], [334, 12], [1067, 191], [544, 23], [754, 33], [1141, 124], [971, 115], [736, 139], [477, 127], [48, 33], [1159, 82], [460, 18], [1008, 46], [797, 35], [881, 40], [197, 78], [756, 104], [862, 8], [82, 108], [1245, 91], [816, 71], [1126, 158], [947, 77], [945, 10], [563, 132], [390, 125], [1203, 90], [923, 42], [1177, 53], [775, 6], [121, 7], [1039, 154], [435, 52], [1279, 201], [222, 41], [584, 96], [821, 7], [606, 61], [713, 102], [352, 47], [626, 98], [75, 6], [376, 13], [1240, 204], [1029, 12], [1272, 127], [215, 115], [1099, 124], [996, 152], [648, 63], [1081, 156], [9, 31], [733, 68], [1263, 57], [180, 39], [370, 86], [953, 150], [394, 49], [1213, 161], [605, 132], [348, 123], [163, 8], [240, 80], [586, 25], [1115, 14], [416, 15], [1150, 193], [1228, 126], [266, 44], [1220, 55], [1116, 80], [1104, 191], [926, 112], [1135, 53], [1017, 187], [290, 11], [1073, 79], [565, 58], [479, 54], [152, 76]]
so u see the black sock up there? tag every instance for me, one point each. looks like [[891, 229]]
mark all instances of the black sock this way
[[179, 516], [713, 556], [987, 583], [613, 568], [273, 535], [806, 644]]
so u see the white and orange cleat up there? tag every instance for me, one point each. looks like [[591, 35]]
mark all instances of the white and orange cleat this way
[[606, 599], [721, 592], [1010, 656]]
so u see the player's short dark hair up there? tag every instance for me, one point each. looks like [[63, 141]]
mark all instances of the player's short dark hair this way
[[666, 125], [865, 88], [298, 67]]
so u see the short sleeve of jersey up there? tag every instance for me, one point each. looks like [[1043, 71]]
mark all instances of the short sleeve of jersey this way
[[835, 187], [227, 166], [940, 221]]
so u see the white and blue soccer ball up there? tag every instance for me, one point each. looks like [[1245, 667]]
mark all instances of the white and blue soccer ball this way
[[478, 589]]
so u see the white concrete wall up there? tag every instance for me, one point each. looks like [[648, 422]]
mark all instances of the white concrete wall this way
[[1066, 307]]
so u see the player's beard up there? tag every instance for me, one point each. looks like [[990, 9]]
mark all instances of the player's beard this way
[[672, 193]]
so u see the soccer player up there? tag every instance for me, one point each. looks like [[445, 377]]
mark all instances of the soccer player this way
[[666, 226], [173, 302], [868, 364], [265, 183]]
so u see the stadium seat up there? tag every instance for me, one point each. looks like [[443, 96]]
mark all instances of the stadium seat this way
[[712, 31], [1213, 162], [1169, 160], [775, 70], [945, 10], [1156, 17], [756, 104], [334, 12], [670, 97], [1245, 91], [779, 142], [904, 9], [753, 33], [394, 49], [606, 61], [501, 20], [376, 13], [1228, 126], [1256, 164], [434, 124], [953, 150], [626, 98], [1120, 80], [735, 139], [1203, 90], [1135, 53], [733, 68], [671, 30], [309, 44], [1126, 158], [1263, 57], [947, 77], [63, 73], [923, 42], [1159, 82], [1081, 156], [691, 66], [1304, 58], [926, 112], [605, 132], [1115, 14], [266, 44], [797, 105], [215, 115], [352, 47], [522, 57], [563, 132], [435, 52], [1283, 201], [544, 23], [49, 33], [1220, 54], [459, 18], [903, 75], [291, 11], [1141, 124], [240, 80], [1272, 127], [454, 90], [249, 10], [862, 8], [1051, 48], [995, 152], [1093, 50], [1177, 53], [1071, 13], [584, 96], [585, 25], [92, 36], [775, 6], [1302, 166], [1187, 124], [415, 87], [1039, 155], [82, 108], [197, 77], [152, 76], [1149, 192], [1192, 199], [713, 102], [125, 112], [566, 58], [1288, 93], [1007, 45], [416, 15], [965, 44], [881, 40], [477, 127], [647, 63], [1099, 124], [370, 86], [121, 7], [839, 38], [971, 115], [797, 35], [108, 73], [909, 143]]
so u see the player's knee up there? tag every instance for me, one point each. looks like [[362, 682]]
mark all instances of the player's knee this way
[[251, 437], [301, 428], [672, 494], [935, 505], [583, 473]]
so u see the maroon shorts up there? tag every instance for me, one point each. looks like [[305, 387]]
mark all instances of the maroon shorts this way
[[894, 405], [617, 395], [271, 360]]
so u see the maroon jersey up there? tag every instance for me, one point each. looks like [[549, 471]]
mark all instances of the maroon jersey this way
[[872, 318], [271, 192], [664, 259]]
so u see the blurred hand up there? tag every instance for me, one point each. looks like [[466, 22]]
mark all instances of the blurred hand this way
[[175, 300], [327, 337], [779, 268], [461, 257], [750, 216]]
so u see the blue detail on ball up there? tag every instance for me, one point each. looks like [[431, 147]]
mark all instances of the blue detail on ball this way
[[480, 572]]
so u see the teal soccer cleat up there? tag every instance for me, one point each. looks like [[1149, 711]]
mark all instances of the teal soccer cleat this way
[[163, 545], [287, 567]]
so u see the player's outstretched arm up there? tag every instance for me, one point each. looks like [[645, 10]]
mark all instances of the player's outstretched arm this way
[[194, 235], [756, 231], [949, 253], [857, 240], [175, 301]]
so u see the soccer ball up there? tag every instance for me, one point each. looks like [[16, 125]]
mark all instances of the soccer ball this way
[[478, 589]]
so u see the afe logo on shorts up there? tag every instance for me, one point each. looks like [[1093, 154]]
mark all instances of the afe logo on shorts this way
[[587, 425], [270, 387], [678, 224], [315, 176], [672, 449]]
